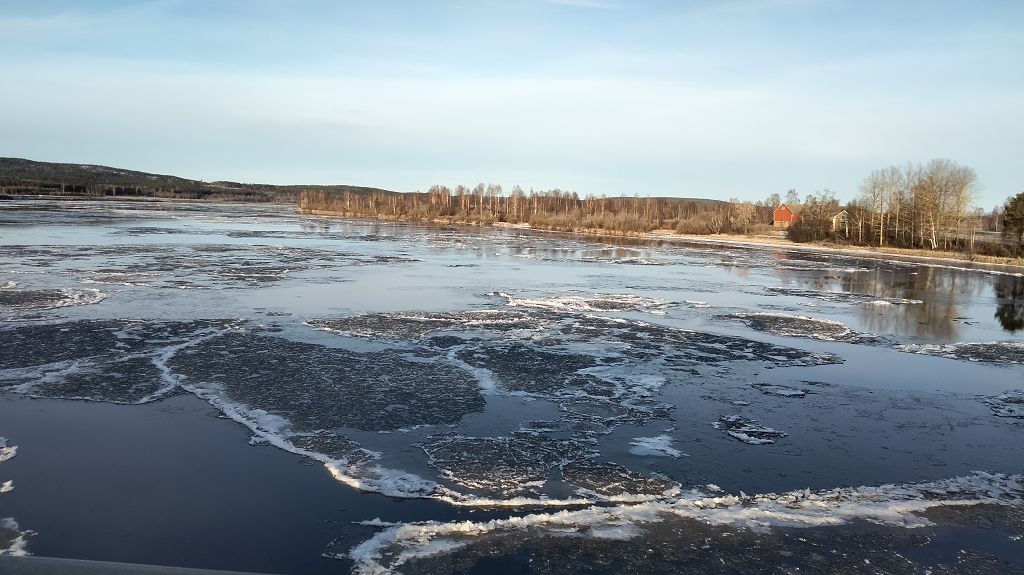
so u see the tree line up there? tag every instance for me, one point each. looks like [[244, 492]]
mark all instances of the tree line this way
[[918, 206], [921, 206], [208, 192], [554, 209]]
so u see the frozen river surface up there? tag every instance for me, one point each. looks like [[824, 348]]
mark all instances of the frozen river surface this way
[[495, 400]]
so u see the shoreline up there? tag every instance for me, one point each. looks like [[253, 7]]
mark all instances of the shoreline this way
[[853, 251], [748, 242], [1010, 267], [140, 199]]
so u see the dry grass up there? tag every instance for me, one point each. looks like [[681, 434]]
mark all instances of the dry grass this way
[[869, 251]]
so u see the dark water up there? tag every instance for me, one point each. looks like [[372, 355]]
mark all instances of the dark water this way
[[575, 400]]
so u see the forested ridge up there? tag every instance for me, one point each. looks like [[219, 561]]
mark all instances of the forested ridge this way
[[27, 177]]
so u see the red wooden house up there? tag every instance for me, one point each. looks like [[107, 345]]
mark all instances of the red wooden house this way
[[784, 216]]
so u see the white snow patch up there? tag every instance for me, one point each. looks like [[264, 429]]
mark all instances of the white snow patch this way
[[660, 446], [378, 522], [894, 301], [589, 303], [78, 297], [7, 486]]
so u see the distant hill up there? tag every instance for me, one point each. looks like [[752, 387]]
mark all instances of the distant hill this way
[[702, 202], [19, 176]]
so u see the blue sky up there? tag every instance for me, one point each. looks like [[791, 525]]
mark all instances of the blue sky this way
[[733, 98]]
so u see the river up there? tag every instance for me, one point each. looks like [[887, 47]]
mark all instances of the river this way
[[245, 387]]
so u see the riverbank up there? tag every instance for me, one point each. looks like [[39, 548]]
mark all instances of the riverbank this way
[[1009, 265], [761, 241]]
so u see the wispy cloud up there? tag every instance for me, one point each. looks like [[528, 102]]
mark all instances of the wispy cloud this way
[[651, 99]]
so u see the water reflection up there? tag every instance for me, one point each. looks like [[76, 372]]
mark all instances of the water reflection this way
[[1010, 302], [940, 292], [946, 296]]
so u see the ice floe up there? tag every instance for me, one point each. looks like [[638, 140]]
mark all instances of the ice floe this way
[[898, 505], [13, 540], [660, 446], [589, 303], [639, 261], [7, 452], [893, 301], [43, 299], [800, 326], [524, 466], [1000, 352], [411, 325], [1009, 404], [600, 372], [119, 361], [748, 430], [842, 296], [318, 388], [302, 397], [779, 390]]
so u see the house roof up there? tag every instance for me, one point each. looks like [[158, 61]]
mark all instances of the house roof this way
[[791, 207]]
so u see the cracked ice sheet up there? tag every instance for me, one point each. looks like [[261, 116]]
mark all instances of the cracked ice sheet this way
[[526, 464], [12, 299], [269, 384], [801, 326], [998, 352], [433, 546], [601, 372], [200, 266], [748, 430], [119, 361], [301, 397]]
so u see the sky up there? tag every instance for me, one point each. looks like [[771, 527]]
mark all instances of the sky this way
[[716, 99]]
